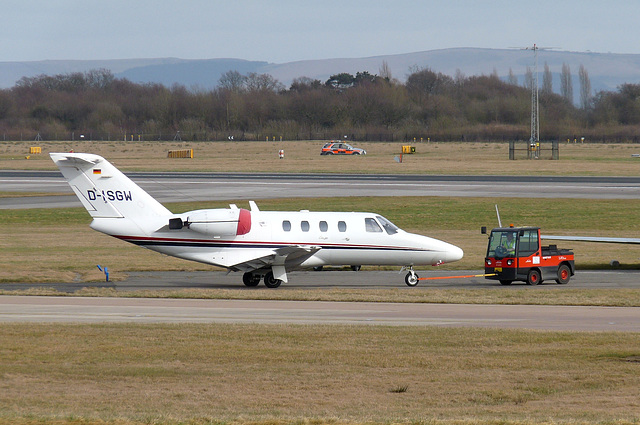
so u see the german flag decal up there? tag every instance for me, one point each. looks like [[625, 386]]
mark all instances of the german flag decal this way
[[97, 171]]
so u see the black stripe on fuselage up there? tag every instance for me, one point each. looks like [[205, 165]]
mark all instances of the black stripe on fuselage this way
[[149, 242]]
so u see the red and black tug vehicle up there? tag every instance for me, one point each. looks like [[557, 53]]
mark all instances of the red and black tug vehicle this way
[[515, 253]]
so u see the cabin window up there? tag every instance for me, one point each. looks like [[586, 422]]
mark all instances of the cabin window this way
[[342, 226], [286, 225], [304, 225], [324, 226], [388, 226], [372, 226], [528, 243]]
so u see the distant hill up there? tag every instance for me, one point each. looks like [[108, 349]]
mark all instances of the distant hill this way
[[190, 73], [606, 70]]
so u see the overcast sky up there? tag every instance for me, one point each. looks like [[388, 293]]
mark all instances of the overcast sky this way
[[289, 30]]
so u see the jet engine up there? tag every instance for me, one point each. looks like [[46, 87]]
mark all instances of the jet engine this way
[[216, 222]]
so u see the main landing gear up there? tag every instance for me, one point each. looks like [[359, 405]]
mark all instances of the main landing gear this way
[[270, 281], [253, 279]]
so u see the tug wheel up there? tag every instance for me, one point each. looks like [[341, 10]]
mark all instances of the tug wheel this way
[[533, 278], [564, 274]]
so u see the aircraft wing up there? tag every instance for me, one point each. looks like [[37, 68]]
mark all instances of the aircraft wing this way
[[592, 239], [278, 258]]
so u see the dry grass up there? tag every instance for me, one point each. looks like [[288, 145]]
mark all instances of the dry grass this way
[[621, 297], [52, 245], [323, 374], [312, 375], [70, 253], [304, 156]]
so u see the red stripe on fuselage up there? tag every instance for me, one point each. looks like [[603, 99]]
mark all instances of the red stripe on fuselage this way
[[263, 244]]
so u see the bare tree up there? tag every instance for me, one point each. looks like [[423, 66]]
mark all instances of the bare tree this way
[[566, 85], [547, 80], [585, 87], [262, 82], [512, 79], [528, 79], [459, 78], [385, 72], [233, 81]]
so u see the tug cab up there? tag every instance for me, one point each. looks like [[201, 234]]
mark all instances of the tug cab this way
[[516, 254]]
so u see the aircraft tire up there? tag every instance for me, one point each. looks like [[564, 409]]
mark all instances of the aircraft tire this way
[[411, 279], [250, 279], [564, 274], [356, 268], [533, 278], [270, 281]]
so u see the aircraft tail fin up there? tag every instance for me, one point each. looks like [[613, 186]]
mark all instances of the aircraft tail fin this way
[[105, 191]]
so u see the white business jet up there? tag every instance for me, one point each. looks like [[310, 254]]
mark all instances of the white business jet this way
[[265, 245]]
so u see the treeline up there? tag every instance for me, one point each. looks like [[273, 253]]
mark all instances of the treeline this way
[[98, 106]]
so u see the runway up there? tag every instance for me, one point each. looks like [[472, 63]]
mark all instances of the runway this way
[[332, 278], [173, 187], [177, 187], [130, 310]]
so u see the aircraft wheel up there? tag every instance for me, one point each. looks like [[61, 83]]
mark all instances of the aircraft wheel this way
[[317, 268], [564, 274], [411, 279], [533, 278], [250, 279], [270, 281], [356, 268], [505, 282]]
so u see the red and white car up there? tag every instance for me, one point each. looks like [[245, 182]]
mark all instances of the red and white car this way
[[341, 148]]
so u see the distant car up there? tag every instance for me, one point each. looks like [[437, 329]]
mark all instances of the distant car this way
[[340, 148]]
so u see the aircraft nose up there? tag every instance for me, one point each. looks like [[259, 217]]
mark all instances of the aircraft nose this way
[[453, 253]]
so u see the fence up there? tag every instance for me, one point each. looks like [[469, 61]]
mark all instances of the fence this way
[[533, 150]]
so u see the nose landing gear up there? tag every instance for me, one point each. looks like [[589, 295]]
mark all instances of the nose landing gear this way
[[411, 278]]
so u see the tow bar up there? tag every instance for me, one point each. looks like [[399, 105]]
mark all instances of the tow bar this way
[[456, 277]]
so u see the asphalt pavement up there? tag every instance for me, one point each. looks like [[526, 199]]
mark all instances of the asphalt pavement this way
[[347, 279]]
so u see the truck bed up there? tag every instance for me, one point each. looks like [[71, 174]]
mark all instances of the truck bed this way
[[554, 250]]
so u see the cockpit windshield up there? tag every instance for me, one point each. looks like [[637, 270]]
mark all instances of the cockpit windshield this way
[[502, 244], [388, 226]]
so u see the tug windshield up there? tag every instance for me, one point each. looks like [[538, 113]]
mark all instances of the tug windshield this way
[[502, 244]]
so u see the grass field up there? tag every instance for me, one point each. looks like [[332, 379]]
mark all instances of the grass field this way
[[294, 374], [304, 156], [125, 374]]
